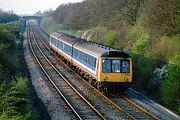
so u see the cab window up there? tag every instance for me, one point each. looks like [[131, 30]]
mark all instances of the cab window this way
[[106, 66], [116, 66], [126, 66]]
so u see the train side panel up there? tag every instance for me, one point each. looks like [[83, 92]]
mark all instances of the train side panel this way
[[85, 61], [53, 43]]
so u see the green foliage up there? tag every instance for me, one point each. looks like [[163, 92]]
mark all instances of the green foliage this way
[[13, 101], [7, 17], [143, 71], [4, 116], [20, 83], [9, 48], [154, 84], [14, 104], [170, 88], [141, 44], [14, 26], [1, 71], [165, 47], [110, 38], [140, 38], [7, 39]]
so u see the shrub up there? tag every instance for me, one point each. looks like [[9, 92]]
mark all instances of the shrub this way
[[141, 44], [143, 71], [159, 75], [4, 116], [170, 88], [20, 83], [139, 37], [13, 100], [1, 71], [111, 38]]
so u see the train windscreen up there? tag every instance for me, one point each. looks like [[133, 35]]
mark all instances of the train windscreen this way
[[115, 66]]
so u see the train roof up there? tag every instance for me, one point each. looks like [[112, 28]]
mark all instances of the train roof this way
[[55, 35], [100, 50], [91, 47]]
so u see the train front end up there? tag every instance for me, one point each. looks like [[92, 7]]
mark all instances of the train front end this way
[[115, 71]]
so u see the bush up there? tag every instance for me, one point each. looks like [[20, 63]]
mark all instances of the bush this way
[[111, 38], [139, 37], [141, 44], [13, 100], [170, 88], [1, 71], [4, 116], [143, 71], [159, 75], [20, 83], [165, 47]]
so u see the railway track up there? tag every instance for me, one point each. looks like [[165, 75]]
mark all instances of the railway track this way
[[97, 100], [130, 107], [78, 104], [121, 110]]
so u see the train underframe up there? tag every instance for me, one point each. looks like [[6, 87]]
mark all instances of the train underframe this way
[[113, 87]]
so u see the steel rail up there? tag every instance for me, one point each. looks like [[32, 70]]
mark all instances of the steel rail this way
[[152, 117]]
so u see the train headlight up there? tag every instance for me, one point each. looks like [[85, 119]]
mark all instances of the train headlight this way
[[126, 79], [106, 78]]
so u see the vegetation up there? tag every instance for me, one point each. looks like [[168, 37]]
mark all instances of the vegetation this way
[[13, 101], [17, 98], [7, 17], [170, 87], [148, 29], [111, 38]]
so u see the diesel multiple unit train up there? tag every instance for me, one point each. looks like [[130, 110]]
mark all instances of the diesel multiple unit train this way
[[106, 68]]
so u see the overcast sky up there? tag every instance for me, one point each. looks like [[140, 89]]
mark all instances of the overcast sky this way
[[31, 6]]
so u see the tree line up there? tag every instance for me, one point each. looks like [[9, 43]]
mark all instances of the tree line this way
[[8, 17]]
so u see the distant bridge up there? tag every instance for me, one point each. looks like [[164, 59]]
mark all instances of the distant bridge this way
[[37, 18]]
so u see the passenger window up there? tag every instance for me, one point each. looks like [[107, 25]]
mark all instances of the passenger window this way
[[106, 66], [116, 66]]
